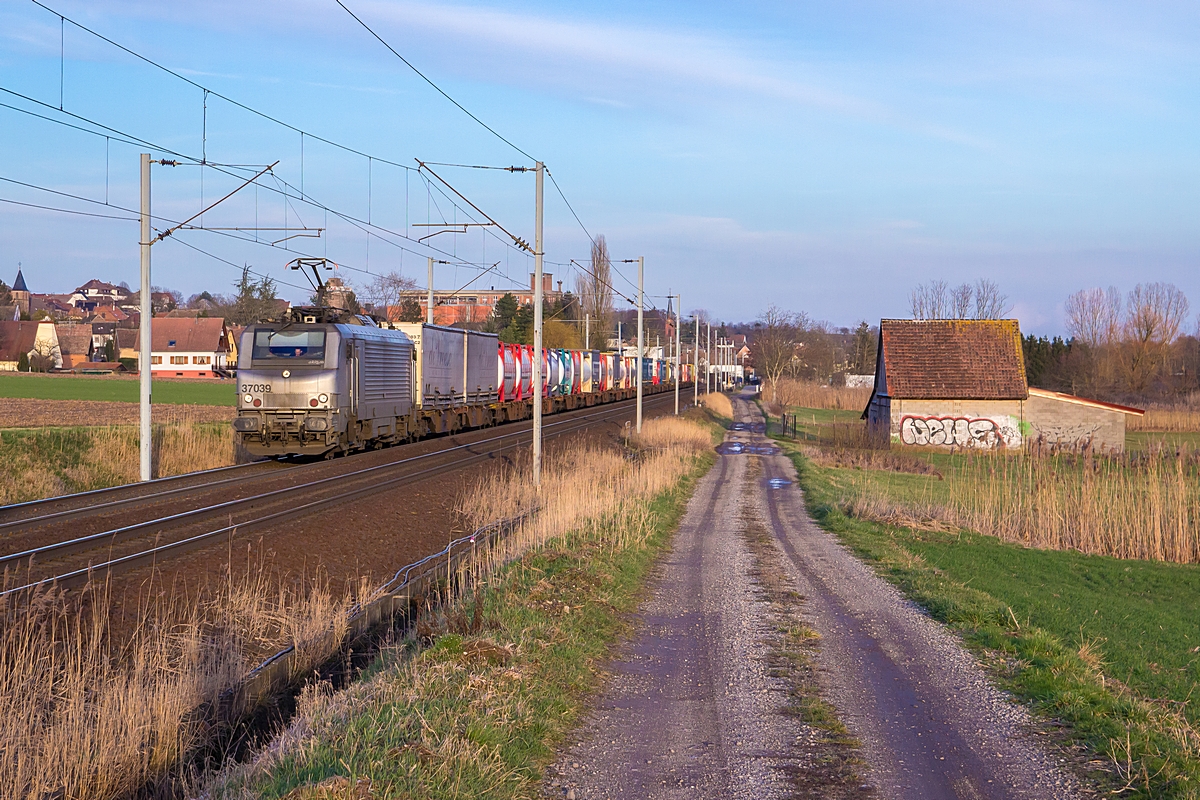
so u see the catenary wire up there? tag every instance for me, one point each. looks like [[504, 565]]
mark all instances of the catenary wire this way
[[437, 88], [203, 88]]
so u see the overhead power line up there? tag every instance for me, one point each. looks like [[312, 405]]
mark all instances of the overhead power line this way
[[214, 93], [437, 88]]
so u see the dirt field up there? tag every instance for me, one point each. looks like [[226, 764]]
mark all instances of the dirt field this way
[[28, 413]]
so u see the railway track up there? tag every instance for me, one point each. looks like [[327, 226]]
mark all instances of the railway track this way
[[36, 551]]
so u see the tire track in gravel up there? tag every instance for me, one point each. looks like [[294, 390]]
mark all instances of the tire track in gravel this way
[[931, 725], [702, 704]]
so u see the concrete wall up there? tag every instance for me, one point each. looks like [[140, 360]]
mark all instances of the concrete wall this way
[[1055, 421], [987, 424]]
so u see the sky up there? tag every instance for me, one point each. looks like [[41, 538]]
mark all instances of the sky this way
[[823, 157]]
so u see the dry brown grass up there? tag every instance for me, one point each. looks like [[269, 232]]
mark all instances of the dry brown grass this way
[[87, 714], [46, 462], [1170, 419], [718, 403], [591, 500], [810, 394], [1142, 506]]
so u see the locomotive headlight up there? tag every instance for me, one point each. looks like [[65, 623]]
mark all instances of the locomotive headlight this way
[[324, 398], [287, 373], [249, 398]]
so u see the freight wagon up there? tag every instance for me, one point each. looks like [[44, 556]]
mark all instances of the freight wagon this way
[[323, 382]]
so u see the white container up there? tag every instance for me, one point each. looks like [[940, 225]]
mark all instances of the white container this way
[[455, 367]]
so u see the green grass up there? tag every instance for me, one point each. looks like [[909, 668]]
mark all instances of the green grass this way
[[1137, 441], [1027, 613], [480, 712], [83, 387]]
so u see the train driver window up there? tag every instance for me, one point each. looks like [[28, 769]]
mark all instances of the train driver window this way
[[299, 344]]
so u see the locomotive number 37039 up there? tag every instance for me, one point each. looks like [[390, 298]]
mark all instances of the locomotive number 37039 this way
[[256, 387]]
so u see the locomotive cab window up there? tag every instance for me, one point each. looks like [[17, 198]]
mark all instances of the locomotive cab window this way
[[306, 346]]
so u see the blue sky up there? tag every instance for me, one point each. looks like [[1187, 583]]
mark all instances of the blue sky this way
[[825, 157]]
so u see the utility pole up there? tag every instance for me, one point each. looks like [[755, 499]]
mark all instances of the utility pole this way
[[696, 365], [429, 295], [537, 328], [146, 313], [641, 341], [587, 331], [678, 358], [708, 371]]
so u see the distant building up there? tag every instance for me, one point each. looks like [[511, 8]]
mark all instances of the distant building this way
[[37, 341], [961, 384], [98, 293], [185, 348], [472, 305], [75, 341], [20, 293]]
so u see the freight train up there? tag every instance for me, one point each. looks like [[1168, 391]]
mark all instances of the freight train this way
[[320, 382]]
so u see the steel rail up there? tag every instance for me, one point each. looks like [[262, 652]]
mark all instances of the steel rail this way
[[84, 511], [81, 544], [125, 487]]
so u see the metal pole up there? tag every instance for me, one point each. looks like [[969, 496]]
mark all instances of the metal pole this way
[[429, 295], [708, 365], [537, 329], [641, 341], [146, 313], [678, 358], [696, 365]]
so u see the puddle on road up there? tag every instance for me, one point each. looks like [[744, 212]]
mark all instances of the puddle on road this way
[[752, 427], [739, 448], [778, 483]]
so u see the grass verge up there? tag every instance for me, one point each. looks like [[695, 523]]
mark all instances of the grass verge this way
[[46, 462], [477, 705], [118, 389], [1097, 645]]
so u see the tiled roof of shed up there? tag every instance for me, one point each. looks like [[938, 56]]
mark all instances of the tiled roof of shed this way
[[953, 359]]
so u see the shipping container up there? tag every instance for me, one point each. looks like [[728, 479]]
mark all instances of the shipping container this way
[[454, 366]]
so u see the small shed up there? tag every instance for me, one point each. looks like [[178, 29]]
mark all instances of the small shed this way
[[962, 384]]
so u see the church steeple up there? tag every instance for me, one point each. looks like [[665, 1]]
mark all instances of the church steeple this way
[[19, 283]]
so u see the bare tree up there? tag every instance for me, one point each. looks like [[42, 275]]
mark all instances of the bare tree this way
[[1094, 316], [595, 292], [989, 302], [1154, 315], [929, 300], [384, 291], [774, 344], [960, 301]]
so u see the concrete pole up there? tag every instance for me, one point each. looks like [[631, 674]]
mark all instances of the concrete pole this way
[[429, 294], [641, 341], [696, 365], [587, 331], [146, 312], [537, 327], [678, 358]]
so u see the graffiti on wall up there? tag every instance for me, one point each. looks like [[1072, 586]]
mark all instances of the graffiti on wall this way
[[959, 432]]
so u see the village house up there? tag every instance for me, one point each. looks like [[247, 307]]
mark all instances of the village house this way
[[186, 347], [962, 384], [75, 342], [36, 341], [97, 293]]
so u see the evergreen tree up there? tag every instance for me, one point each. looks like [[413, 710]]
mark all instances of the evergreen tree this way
[[506, 308], [410, 311]]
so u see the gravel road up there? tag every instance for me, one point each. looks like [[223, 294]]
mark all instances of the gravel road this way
[[693, 709]]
